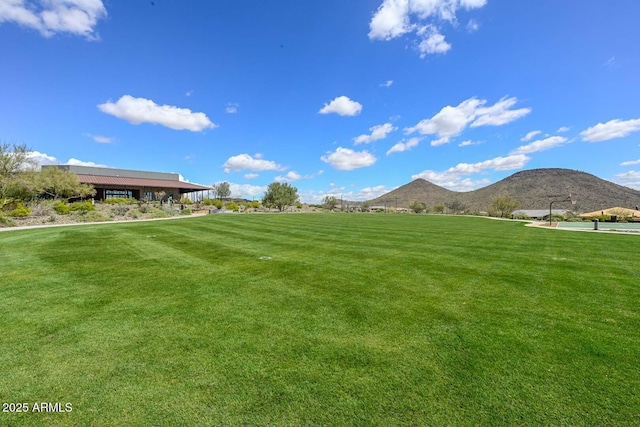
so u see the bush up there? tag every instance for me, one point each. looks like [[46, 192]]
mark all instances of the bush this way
[[120, 200], [186, 211], [6, 222], [121, 210], [61, 208], [218, 203], [82, 207], [41, 209], [93, 216], [20, 212], [232, 206], [144, 208], [169, 211], [207, 202]]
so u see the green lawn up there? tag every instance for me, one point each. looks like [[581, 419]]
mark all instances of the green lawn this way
[[320, 319]]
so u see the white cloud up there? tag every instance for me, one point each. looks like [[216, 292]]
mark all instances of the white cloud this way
[[78, 17], [451, 121], [251, 175], [612, 129], [100, 139], [473, 26], [141, 110], [528, 137], [245, 161], [388, 83], [342, 106], [395, 18], [404, 146], [346, 159], [563, 129], [540, 145], [432, 41], [232, 108], [377, 133], [76, 162], [189, 93], [369, 193], [390, 21], [44, 159], [630, 179], [630, 163], [499, 113], [452, 177], [289, 177], [611, 63], [246, 191], [469, 142]]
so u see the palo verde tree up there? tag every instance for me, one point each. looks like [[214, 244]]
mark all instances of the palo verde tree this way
[[330, 202], [59, 184], [14, 163], [280, 195], [417, 207], [221, 190], [504, 206]]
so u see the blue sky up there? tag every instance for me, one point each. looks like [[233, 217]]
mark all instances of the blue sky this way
[[350, 98]]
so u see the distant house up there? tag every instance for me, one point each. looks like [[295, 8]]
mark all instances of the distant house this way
[[123, 183], [539, 214]]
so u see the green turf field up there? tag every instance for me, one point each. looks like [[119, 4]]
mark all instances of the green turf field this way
[[320, 319]]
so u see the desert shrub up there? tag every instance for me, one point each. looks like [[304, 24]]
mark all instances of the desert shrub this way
[[232, 206], [82, 207], [20, 212], [9, 204], [6, 222], [120, 210], [92, 216], [218, 203], [438, 209], [120, 200], [61, 208], [186, 211], [41, 209], [160, 213], [207, 202], [170, 211], [144, 208]]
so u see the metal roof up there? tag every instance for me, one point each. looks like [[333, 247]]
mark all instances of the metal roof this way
[[139, 182]]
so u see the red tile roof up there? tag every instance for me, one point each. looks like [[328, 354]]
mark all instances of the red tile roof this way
[[139, 182]]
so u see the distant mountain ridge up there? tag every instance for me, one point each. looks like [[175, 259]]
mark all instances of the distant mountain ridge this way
[[533, 188]]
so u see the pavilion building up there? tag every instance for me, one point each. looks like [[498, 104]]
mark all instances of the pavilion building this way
[[116, 183]]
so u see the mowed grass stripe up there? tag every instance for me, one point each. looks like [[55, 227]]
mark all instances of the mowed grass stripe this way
[[354, 319]]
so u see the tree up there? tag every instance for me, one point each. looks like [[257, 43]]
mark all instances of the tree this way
[[57, 183], [504, 206], [417, 207], [455, 206], [14, 163], [280, 195], [221, 190], [330, 202], [14, 159]]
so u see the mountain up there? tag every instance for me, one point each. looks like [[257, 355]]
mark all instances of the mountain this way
[[534, 189], [418, 190]]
